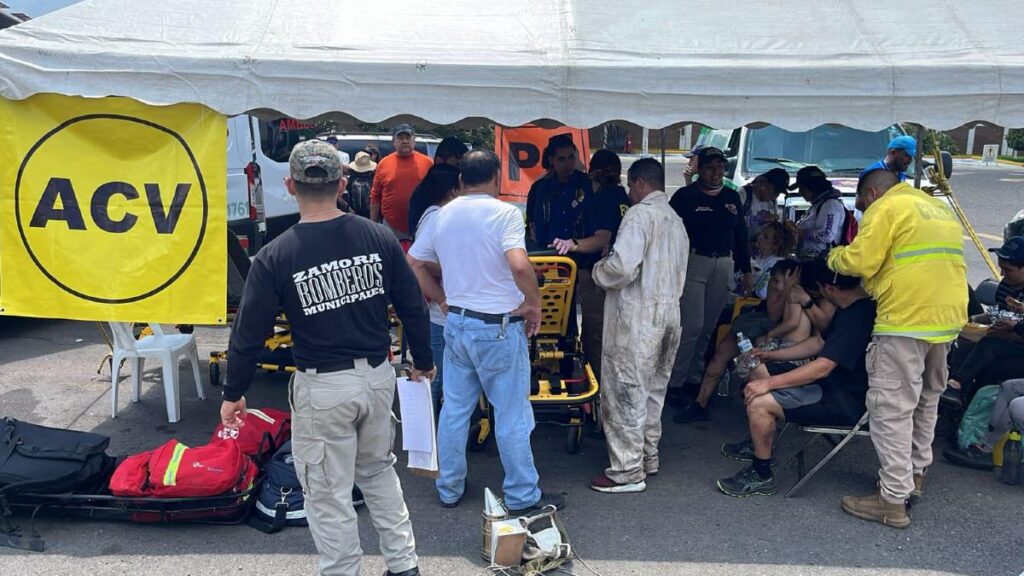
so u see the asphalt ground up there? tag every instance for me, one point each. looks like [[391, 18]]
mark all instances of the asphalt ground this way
[[966, 523]]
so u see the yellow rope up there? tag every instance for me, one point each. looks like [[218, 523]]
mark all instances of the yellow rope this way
[[937, 177]]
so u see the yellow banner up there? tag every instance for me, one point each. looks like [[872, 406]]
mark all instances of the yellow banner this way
[[112, 210]]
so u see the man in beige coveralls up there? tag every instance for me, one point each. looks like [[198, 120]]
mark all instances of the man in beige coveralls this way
[[643, 276]]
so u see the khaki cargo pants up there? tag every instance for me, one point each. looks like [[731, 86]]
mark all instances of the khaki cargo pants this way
[[342, 432], [905, 379]]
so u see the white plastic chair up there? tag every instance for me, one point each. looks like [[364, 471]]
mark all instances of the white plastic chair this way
[[169, 348]]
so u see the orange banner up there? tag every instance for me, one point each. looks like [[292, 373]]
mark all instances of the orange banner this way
[[520, 150]]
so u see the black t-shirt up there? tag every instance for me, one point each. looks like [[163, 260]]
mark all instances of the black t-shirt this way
[[602, 211], [334, 281], [714, 223], [846, 342]]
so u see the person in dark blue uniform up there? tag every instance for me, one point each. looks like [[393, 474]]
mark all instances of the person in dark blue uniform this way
[[564, 212]]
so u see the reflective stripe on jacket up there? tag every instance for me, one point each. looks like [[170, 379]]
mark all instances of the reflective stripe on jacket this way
[[909, 251]]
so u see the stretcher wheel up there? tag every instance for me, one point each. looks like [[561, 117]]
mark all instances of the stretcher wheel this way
[[214, 373], [573, 438]]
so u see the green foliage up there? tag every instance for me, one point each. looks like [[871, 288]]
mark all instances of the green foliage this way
[[1015, 139], [946, 143]]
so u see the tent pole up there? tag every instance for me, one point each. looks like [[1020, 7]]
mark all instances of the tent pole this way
[[662, 131]]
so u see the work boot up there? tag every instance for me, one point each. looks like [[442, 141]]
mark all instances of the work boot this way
[[875, 509], [414, 571], [918, 486]]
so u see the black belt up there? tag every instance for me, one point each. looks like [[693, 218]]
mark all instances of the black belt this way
[[487, 318], [340, 365], [711, 253]]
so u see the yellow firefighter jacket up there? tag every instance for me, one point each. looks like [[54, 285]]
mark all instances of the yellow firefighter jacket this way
[[909, 252]]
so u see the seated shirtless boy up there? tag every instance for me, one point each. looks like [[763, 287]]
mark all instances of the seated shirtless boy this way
[[793, 327]]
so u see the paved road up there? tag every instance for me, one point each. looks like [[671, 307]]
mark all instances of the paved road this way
[[967, 523]]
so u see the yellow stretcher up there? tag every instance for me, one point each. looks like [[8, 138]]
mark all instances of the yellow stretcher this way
[[563, 387]]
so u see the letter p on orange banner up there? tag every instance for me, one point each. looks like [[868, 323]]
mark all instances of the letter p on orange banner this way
[[521, 151]]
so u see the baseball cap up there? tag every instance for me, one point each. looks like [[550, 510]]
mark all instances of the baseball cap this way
[[1012, 250], [708, 153], [811, 177], [905, 143], [315, 154], [693, 151], [777, 177], [402, 129]]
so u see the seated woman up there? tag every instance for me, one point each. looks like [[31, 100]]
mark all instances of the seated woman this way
[[793, 328], [1004, 343], [773, 242], [828, 390], [1007, 414]]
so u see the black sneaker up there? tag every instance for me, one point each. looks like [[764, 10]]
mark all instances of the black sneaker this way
[[746, 482], [357, 496], [692, 413], [971, 457], [546, 499], [742, 451], [415, 571]]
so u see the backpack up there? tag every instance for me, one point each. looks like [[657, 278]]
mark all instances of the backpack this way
[[850, 226], [974, 423], [176, 471], [359, 193], [264, 432], [41, 460], [279, 502]]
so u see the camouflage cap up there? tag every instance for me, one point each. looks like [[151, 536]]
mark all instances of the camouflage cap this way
[[315, 154]]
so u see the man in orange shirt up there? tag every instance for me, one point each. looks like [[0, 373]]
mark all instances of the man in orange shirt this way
[[397, 175]]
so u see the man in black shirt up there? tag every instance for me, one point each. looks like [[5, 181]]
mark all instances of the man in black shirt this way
[[713, 215], [829, 390], [334, 275]]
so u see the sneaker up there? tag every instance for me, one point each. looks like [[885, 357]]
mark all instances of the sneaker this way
[[692, 413], [414, 571], [971, 457], [546, 499], [875, 509], [742, 451], [746, 482], [605, 484], [357, 496]]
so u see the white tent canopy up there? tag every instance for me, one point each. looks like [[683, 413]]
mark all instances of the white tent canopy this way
[[862, 63]]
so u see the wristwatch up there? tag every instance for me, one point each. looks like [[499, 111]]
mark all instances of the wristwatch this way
[[807, 305]]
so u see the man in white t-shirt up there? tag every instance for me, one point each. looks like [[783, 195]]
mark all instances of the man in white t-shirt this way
[[493, 306]]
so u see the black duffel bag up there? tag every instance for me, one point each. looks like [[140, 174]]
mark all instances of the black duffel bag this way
[[41, 460]]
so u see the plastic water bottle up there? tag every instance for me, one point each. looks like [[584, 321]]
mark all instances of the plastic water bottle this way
[[723, 384], [1012, 455], [746, 359]]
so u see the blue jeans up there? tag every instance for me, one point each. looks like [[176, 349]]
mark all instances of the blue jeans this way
[[494, 360], [437, 345]]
